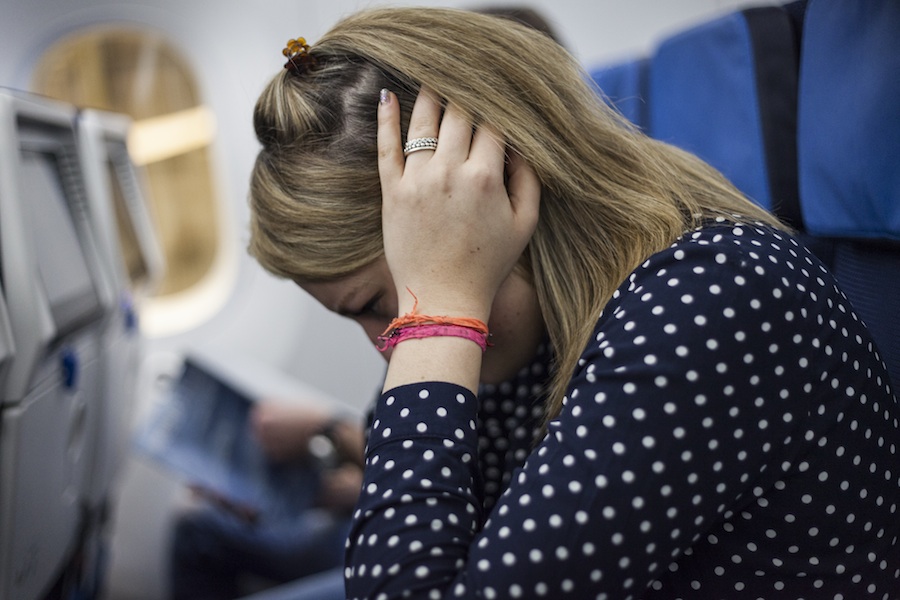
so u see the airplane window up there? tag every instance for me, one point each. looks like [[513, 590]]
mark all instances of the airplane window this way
[[140, 74]]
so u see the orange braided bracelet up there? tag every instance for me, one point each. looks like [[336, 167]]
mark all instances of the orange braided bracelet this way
[[415, 326]]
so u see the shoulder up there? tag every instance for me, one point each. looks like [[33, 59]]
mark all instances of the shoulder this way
[[725, 259], [716, 284], [724, 248]]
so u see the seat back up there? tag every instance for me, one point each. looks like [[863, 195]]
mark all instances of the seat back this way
[[726, 91], [624, 86], [848, 145]]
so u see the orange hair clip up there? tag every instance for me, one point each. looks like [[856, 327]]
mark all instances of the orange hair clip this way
[[299, 61]]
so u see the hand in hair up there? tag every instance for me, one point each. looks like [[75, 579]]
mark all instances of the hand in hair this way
[[455, 220]]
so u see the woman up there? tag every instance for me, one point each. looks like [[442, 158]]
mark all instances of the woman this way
[[717, 422]]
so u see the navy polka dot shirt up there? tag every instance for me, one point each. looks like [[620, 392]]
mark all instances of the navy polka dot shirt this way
[[730, 432]]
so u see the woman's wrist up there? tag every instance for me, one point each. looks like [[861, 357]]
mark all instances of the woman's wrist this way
[[442, 354], [417, 325], [449, 359]]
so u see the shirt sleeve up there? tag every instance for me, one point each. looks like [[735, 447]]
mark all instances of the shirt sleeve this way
[[689, 391]]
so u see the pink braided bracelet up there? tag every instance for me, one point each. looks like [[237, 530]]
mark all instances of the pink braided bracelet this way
[[431, 330]]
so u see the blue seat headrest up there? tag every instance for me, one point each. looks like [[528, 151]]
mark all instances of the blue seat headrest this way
[[849, 119], [625, 86], [726, 90]]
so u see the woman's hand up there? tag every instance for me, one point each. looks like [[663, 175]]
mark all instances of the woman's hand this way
[[456, 219]]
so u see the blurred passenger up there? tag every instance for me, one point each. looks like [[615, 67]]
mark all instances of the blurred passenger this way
[[219, 553]]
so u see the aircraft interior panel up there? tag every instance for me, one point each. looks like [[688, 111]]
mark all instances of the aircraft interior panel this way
[[51, 279], [133, 264]]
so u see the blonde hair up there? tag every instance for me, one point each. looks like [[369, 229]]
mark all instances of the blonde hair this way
[[611, 196]]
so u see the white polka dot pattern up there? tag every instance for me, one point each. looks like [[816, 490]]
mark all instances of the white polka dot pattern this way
[[730, 432]]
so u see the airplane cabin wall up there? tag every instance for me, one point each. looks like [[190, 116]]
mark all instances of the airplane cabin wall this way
[[235, 47]]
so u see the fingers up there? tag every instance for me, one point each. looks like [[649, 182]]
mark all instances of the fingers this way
[[455, 136], [524, 188], [429, 120], [425, 120], [489, 148], [390, 152], [457, 143]]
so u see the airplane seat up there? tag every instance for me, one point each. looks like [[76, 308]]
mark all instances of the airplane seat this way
[[848, 140], [624, 86], [132, 264], [726, 90], [50, 272]]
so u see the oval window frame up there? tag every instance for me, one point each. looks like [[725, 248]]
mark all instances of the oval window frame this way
[[90, 67]]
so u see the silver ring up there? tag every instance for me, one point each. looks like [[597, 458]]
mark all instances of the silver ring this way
[[416, 144]]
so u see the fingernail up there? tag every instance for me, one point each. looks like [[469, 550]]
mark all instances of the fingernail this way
[[384, 97]]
